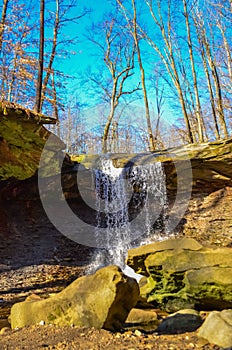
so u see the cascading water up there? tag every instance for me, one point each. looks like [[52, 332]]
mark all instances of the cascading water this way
[[153, 179], [120, 195], [112, 200]]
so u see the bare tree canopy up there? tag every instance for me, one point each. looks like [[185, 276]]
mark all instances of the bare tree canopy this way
[[164, 67]]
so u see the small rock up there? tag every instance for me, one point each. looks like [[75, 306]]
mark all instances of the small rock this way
[[217, 328], [41, 323], [33, 297], [181, 321], [127, 334], [5, 330], [137, 333], [141, 316]]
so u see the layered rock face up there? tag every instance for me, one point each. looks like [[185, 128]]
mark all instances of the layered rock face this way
[[102, 300], [205, 172], [181, 273]]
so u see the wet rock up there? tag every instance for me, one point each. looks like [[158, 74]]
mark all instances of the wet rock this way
[[184, 274], [180, 322], [101, 300], [217, 329]]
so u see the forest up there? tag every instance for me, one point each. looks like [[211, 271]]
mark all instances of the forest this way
[[158, 73]]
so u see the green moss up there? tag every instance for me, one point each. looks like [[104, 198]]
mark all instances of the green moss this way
[[51, 318], [16, 171], [21, 144], [78, 158], [184, 277]]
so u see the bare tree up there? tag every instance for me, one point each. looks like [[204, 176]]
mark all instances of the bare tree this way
[[52, 55], [226, 46], [134, 30], [159, 101], [195, 84], [222, 17], [61, 19], [20, 57], [17, 61], [167, 54], [2, 28], [202, 37], [119, 52], [208, 79]]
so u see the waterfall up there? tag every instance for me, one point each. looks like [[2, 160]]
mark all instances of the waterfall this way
[[153, 179], [111, 198], [121, 194]]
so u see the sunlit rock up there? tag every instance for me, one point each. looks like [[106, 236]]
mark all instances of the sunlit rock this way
[[183, 274], [101, 300]]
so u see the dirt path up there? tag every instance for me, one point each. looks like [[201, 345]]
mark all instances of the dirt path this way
[[68, 338]]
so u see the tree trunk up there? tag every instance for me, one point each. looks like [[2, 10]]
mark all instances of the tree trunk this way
[[197, 99], [11, 84], [3, 20], [217, 84], [143, 82], [53, 53], [110, 118], [168, 57], [56, 114], [210, 88], [41, 60]]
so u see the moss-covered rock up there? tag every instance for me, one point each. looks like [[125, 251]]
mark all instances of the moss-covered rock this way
[[22, 139], [182, 273], [101, 300]]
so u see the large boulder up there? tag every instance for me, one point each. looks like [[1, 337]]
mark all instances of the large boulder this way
[[101, 300], [181, 273]]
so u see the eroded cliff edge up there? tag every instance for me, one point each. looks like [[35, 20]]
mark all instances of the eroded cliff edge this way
[[22, 139]]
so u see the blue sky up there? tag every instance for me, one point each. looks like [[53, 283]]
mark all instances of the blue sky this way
[[85, 53]]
